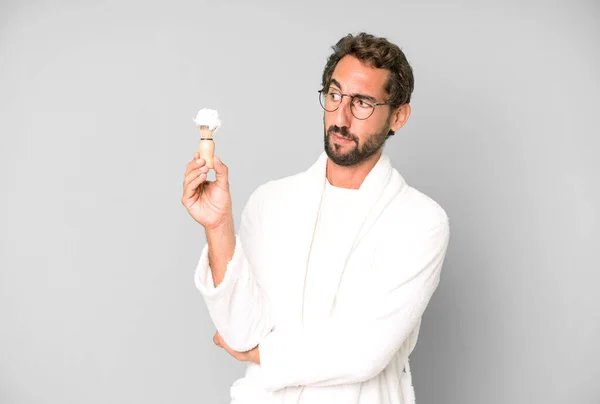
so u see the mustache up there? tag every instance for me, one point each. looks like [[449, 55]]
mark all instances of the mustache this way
[[343, 131]]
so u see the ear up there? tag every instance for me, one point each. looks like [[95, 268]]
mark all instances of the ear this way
[[399, 117]]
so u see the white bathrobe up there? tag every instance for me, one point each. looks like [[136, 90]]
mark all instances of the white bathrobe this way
[[372, 298]]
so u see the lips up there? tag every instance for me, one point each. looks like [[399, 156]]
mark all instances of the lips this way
[[340, 138]]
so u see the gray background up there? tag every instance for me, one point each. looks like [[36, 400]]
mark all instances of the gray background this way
[[97, 301]]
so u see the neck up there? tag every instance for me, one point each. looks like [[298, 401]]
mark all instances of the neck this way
[[350, 177]]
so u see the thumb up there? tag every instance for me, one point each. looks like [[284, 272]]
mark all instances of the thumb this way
[[221, 171]]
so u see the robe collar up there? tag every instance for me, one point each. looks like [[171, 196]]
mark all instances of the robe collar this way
[[381, 185], [373, 183]]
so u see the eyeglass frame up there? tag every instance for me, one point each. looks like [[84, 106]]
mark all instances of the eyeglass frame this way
[[375, 104]]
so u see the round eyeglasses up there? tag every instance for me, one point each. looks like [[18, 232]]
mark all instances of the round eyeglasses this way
[[360, 107]]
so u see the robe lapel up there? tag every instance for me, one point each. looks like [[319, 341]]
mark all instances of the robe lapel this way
[[375, 193], [302, 225], [380, 186], [368, 195]]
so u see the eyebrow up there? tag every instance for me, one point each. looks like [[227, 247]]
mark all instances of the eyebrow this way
[[361, 96]]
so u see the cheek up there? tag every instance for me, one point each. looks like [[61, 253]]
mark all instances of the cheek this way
[[362, 130], [327, 120]]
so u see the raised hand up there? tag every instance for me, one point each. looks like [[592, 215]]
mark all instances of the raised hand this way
[[208, 202]]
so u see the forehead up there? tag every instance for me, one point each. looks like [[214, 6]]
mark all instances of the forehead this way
[[358, 77]]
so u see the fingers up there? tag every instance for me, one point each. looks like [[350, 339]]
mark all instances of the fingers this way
[[196, 162], [217, 340], [221, 171], [192, 181], [191, 169], [240, 356]]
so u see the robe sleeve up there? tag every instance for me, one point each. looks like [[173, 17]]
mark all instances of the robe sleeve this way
[[354, 351], [238, 306]]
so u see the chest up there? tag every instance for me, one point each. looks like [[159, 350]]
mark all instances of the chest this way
[[317, 273]]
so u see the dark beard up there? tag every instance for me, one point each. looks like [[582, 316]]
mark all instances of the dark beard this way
[[357, 154]]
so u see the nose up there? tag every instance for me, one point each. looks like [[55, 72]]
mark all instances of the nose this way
[[343, 115]]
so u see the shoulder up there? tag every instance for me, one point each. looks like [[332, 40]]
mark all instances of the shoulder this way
[[424, 207], [278, 189], [414, 213], [415, 234], [271, 196]]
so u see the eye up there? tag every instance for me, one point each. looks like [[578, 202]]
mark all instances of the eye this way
[[363, 104], [334, 95]]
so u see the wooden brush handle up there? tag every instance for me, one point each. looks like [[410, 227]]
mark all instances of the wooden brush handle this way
[[207, 151]]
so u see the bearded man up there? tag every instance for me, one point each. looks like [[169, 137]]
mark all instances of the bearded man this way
[[323, 289]]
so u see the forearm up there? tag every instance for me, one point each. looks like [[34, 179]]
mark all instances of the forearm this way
[[238, 306], [331, 355], [221, 245]]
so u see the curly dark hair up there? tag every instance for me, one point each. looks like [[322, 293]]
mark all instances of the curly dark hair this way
[[379, 53]]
